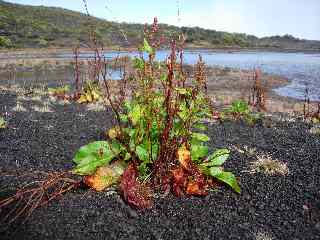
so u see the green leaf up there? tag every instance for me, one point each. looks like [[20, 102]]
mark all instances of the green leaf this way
[[218, 157], [200, 126], [132, 145], [183, 91], [94, 148], [154, 130], [88, 165], [142, 153], [239, 106], [163, 77], [155, 149], [67, 88], [146, 47], [183, 112], [214, 171], [132, 132], [198, 152], [124, 118], [138, 63], [91, 156], [200, 137], [116, 148], [143, 168], [135, 114], [127, 105], [230, 179], [127, 156]]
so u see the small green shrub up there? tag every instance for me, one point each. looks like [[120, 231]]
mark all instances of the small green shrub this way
[[5, 42], [59, 91], [239, 107], [42, 42], [159, 134], [157, 144], [240, 110]]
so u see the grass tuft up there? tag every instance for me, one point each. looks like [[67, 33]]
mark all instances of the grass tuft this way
[[265, 164]]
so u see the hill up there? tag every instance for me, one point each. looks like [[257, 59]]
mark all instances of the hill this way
[[23, 26]]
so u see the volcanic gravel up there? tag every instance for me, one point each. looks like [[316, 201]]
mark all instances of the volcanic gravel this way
[[269, 207]]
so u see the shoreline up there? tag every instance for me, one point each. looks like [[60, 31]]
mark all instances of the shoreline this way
[[60, 50], [220, 80], [234, 85]]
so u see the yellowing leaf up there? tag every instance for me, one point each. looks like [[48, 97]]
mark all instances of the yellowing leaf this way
[[104, 177], [89, 98], [2, 123], [114, 132], [82, 99], [184, 157]]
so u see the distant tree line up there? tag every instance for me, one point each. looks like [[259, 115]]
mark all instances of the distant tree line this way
[[28, 26]]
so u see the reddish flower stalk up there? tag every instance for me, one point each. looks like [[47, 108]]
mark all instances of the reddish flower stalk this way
[[257, 97], [76, 70]]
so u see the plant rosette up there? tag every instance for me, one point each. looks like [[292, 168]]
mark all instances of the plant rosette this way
[[157, 138], [3, 123]]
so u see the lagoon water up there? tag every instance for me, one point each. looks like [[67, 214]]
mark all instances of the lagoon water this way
[[302, 69]]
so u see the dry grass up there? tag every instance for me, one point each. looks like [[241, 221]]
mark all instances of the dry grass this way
[[35, 98], [315, 130], [45, 107], [96, 107], [19, 107], [62, 102], [263, 236], [265, 164]]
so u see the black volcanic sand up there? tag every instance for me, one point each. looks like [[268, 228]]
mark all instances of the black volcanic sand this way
[[269, 207]]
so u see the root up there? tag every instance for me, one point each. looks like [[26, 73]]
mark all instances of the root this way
[[43, 188]]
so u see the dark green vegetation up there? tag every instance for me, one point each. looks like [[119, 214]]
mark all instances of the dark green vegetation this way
[[158, 142], [240, 109], [28, 26]]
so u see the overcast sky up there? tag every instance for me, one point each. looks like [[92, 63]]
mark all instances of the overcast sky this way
[[300, 18]]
